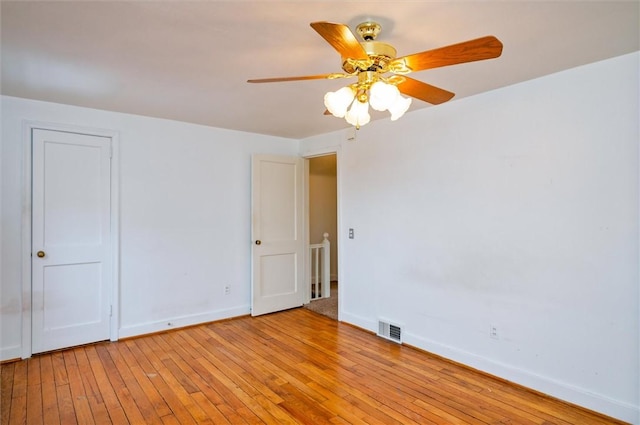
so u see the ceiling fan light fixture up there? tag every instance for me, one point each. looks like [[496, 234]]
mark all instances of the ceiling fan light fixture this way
[[383, 95], [400, 106], [338, 101], [352, 102], [358, 114]]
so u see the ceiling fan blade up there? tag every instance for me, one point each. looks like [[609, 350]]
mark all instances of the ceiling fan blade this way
[[423, 91], [468, 51], [342, 39], [301, 78]]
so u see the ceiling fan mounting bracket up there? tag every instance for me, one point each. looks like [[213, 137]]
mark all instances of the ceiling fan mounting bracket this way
[[368, 30]]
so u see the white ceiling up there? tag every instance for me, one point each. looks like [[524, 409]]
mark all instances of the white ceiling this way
[[189, 61]]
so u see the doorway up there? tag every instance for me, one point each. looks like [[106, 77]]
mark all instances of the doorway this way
[[323, 218]]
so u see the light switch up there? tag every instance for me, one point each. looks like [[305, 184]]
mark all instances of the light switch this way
[[350, 233]]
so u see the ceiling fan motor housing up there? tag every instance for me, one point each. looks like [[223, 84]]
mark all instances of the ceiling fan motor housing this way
[[380, 55]]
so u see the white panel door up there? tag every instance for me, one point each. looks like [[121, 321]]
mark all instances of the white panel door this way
[[71, 243], [277, 232]]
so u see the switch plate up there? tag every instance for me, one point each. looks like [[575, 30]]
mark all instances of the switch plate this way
[[351, 234]]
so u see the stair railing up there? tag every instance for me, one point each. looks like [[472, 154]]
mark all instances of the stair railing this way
[[320, 269]]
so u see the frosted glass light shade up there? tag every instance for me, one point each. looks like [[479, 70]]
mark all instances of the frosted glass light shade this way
[[338, 101], [399, 107], [358, 114], [383, 95]]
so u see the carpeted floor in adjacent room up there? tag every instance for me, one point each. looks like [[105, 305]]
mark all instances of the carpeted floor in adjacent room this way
[[326, 306]]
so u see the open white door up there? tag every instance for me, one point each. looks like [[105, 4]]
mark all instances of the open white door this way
[[71, 242], [277, 233]]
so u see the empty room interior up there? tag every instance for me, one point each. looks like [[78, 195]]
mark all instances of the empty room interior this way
[[451, 189]]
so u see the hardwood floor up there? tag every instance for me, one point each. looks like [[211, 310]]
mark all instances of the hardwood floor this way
[[293, 367]]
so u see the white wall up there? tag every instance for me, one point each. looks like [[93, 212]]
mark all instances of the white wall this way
[[516, 208], [184, 216]]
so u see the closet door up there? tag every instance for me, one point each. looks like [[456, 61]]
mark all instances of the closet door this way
[[71, 242]]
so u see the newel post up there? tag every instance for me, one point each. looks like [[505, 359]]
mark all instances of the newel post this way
[[326, 266]]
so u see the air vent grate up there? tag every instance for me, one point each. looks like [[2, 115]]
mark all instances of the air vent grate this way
[[390, 331]]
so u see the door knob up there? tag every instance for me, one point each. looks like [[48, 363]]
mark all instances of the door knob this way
[[40, 254], [258, 242]]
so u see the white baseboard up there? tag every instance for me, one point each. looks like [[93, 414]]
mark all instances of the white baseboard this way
[[180, 322], [563, 391], [543, 384], [359, 321], [10, 353]]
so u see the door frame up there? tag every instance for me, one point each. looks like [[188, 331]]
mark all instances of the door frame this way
[[27, 130], [333, 150]]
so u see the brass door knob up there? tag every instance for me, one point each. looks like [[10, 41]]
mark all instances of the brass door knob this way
[[40, 254], [258, 242]]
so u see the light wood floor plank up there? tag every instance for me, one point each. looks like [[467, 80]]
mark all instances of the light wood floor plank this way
[[292, 367], [50, 414], [78, 394], [34, 391], [49, 397], [65, 405], [6, 387], [162, 381], [119, 354], [34, 404], [59, 368], [106, 391], [118, 386]]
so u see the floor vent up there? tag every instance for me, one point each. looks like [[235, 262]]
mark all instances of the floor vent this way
[[390, 331]]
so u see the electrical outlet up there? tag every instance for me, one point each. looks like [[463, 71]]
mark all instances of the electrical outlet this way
[[493, 332], [227, 289]]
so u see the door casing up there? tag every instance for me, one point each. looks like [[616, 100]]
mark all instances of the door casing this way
[[27, 129]]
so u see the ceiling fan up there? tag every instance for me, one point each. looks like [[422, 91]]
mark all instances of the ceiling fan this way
[[381, 75]]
